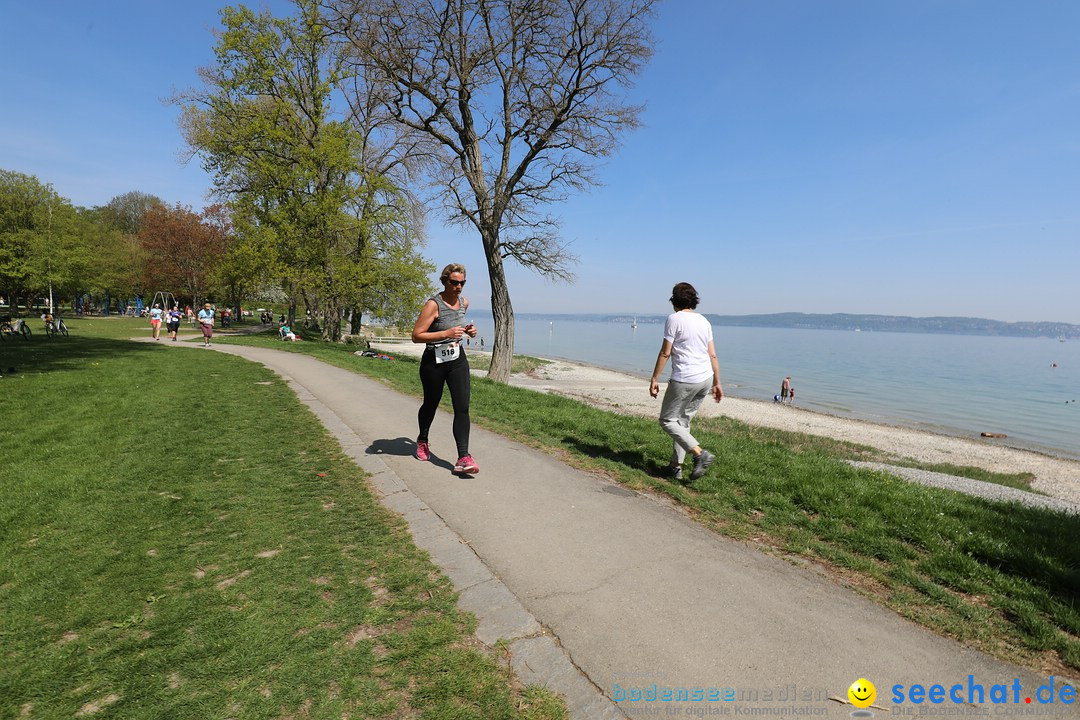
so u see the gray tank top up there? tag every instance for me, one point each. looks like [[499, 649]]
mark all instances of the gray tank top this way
[[447, 318]]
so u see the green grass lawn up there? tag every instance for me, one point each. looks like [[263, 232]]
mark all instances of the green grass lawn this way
[[181, 538], [1000, 577]]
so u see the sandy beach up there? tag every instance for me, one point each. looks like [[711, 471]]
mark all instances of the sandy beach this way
[[623, 393]]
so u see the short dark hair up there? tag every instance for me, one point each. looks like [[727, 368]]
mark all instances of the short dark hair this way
[[684, 296]]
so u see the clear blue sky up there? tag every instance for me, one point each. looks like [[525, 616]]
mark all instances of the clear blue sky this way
[[907, 157]]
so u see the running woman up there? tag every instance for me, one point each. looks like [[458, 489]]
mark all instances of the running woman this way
[[156, 314], [442, 326], [172, 322]]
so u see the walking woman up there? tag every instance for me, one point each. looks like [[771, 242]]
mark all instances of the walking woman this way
[[206, 322], [442, 326], [695, 372]]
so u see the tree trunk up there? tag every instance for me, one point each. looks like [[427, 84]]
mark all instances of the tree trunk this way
[[331, 321], [502, 350]]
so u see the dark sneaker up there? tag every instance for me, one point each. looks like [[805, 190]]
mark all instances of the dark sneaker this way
[[674, 472], [423, 451], [466, 465], [701, 464]]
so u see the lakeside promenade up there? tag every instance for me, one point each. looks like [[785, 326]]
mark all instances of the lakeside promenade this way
[[602, 593]]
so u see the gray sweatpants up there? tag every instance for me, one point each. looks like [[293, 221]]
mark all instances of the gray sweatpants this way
[[681, 403]]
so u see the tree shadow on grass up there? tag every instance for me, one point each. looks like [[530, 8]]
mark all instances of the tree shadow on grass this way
[[1036, 545], [44, 355], [634, 459]]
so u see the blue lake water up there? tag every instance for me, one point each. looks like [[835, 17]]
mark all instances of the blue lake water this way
[[951, 384]]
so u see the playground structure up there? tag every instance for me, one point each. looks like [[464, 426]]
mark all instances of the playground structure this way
[[165, 298]]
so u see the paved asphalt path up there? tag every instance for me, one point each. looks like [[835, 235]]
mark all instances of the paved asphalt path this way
[[605, 593]]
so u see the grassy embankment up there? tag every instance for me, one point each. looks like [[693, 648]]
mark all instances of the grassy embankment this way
[[180, 537], [1003, 578]]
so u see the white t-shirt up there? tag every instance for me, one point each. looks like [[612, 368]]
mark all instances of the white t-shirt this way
[[689, 334]]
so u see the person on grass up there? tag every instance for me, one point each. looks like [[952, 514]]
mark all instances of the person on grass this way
[[695, 372], [156, 316], [173, 322], [441, 326], [206, 322]]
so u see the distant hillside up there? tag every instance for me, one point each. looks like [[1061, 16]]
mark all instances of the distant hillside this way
[[899, 323], [848, 321]]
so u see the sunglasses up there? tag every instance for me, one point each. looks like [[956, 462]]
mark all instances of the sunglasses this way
[[458, 283]]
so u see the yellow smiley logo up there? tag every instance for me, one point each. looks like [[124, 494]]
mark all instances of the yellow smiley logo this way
[[862, 693]]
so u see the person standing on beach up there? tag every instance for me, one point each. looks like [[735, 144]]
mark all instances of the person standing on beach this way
[[206, 322], [441, 326], [785, 388], [695, 372]]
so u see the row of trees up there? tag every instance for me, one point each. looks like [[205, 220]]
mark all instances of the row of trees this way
[[49, 247], [137, 245], [319, 129]]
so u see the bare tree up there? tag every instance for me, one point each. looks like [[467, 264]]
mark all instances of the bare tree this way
[[515, 99], [126, 212]]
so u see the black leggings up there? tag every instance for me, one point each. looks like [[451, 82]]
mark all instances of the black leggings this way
[[454, 374]]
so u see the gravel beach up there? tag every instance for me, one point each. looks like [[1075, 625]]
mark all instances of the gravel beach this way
[[618, 392]]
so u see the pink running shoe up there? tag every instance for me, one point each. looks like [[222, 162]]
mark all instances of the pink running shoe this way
[[466, 465], [423, 451]]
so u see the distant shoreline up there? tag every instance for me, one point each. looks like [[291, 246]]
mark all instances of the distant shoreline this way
[[846, 322]]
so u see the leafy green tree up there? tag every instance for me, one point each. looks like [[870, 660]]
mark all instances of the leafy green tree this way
[[116, 258], [57, 259], [21, 198], [43, 240], [293, 168], [514, 98], [241, 274]]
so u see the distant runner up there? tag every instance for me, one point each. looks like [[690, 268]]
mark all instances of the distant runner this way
[[206, 322], [441, 326], [156, 315], [173, 322]]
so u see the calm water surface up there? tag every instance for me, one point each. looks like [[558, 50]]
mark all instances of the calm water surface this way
[[951, 384]]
